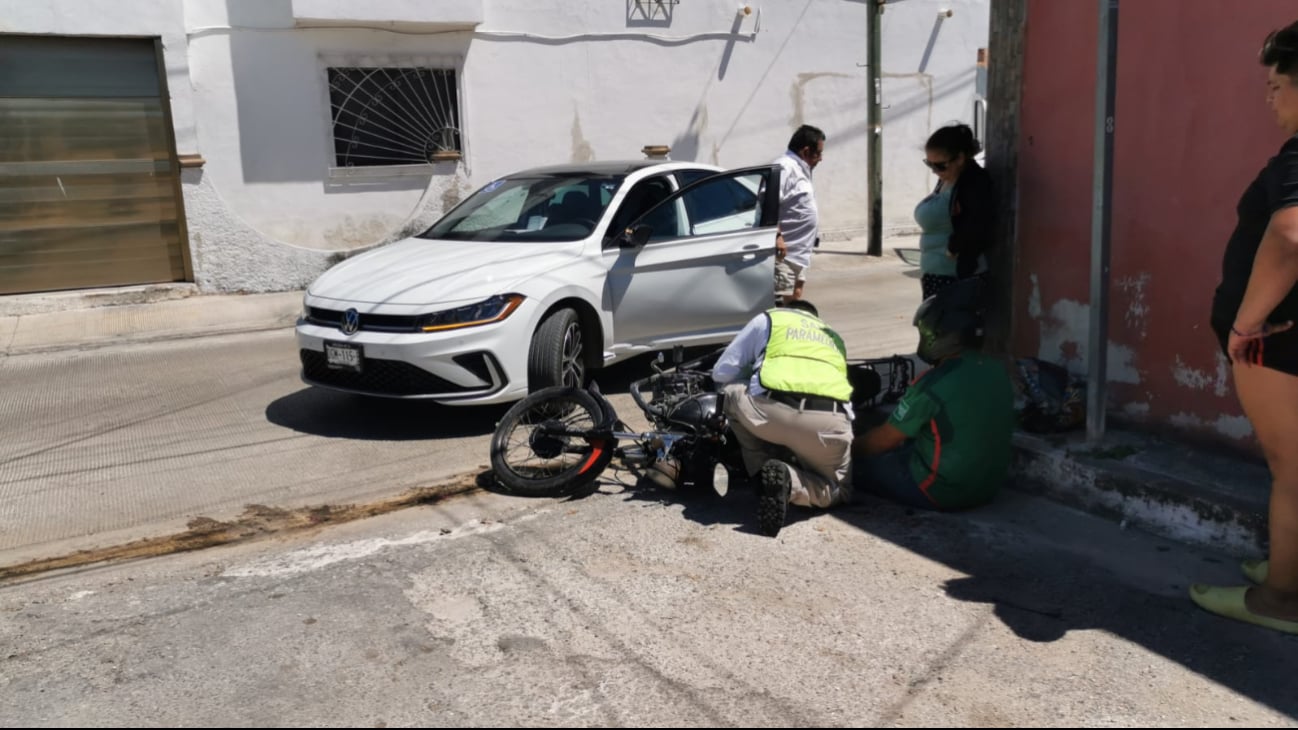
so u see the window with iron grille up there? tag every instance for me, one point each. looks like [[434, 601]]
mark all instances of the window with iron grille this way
[[394, 116]]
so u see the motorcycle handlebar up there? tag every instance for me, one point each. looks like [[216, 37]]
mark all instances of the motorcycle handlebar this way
[[639, 399], [691, 367]]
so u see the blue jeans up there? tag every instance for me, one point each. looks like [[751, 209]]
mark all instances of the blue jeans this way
[[888, 475]]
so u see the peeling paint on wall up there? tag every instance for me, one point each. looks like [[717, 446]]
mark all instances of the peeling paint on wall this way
[[1188, 377], [1064, 337], [1136, 409], [1034, 301], [1233, 427], [1122, 364], [1063, 334], [1237, 427], [1194, 379], [1137, 314], [1221, 387]]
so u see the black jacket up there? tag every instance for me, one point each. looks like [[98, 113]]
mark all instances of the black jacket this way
[[973, 218]]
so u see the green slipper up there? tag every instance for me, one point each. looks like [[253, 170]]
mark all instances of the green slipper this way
[[1255, 570], [1229, 602]]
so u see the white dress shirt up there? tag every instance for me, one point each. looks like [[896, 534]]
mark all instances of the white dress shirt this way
[[799, 217]]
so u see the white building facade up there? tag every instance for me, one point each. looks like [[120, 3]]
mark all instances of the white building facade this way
[[246, 145]]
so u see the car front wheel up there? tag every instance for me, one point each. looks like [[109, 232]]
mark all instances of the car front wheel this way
[[557, 355]]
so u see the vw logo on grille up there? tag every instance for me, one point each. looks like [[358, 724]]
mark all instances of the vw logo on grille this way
[[351, 322]]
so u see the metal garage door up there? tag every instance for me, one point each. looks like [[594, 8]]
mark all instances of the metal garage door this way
[[89, 185]]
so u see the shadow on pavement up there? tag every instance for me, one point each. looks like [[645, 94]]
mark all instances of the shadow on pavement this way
[[1044, 583], [322, 412], [327, 413]]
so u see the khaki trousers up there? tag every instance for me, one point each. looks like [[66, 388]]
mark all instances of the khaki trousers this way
[[822, 441]]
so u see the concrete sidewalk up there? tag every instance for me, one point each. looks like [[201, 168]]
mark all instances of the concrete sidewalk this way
[[88, 319], [1162, 487]]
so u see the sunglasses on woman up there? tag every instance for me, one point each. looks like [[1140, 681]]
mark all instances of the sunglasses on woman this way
[[937, 166]]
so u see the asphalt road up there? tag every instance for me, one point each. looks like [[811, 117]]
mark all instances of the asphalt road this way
[[625, 607]]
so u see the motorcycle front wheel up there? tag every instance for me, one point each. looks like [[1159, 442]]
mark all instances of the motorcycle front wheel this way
[[528, 458]]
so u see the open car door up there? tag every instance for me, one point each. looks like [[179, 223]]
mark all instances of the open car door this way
[[700, 264]]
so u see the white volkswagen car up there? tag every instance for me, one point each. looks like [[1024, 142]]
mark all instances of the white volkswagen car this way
[[541, 277]]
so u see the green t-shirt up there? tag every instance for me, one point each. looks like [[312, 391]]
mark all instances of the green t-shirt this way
[[960, 416]]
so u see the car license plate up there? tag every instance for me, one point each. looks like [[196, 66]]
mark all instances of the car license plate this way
[[340, 356]]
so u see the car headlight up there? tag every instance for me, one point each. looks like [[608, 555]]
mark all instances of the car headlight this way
[[471, 315]]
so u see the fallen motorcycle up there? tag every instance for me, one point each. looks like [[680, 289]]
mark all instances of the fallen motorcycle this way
[[559, 440]]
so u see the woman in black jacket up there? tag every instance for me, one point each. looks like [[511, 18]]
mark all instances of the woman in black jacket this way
[[958, 219]]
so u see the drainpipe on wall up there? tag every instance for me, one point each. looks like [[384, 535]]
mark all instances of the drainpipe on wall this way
[[1101, 216], [874, 123]]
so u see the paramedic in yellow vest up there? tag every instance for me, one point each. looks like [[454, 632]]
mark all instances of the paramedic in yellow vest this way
[[785, 382]]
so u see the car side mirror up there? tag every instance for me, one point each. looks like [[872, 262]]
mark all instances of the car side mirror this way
[[635, 237]]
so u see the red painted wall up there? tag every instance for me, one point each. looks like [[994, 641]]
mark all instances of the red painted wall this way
[[1192, 130]]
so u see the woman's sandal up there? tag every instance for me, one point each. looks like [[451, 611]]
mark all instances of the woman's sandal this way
[[1229, 602], [1255, 570]]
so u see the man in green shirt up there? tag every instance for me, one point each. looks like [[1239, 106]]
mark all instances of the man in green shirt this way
[[947, 444]]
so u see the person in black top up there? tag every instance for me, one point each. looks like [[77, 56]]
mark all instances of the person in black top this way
[[959, 217], [1253, 316]]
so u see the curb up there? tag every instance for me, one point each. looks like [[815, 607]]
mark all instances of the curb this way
[[1164, 488]]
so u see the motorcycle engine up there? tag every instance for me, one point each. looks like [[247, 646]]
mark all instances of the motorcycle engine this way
[[687, 402], [696, 412]]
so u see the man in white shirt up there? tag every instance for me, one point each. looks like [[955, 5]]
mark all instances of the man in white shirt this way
[[799, 226]]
